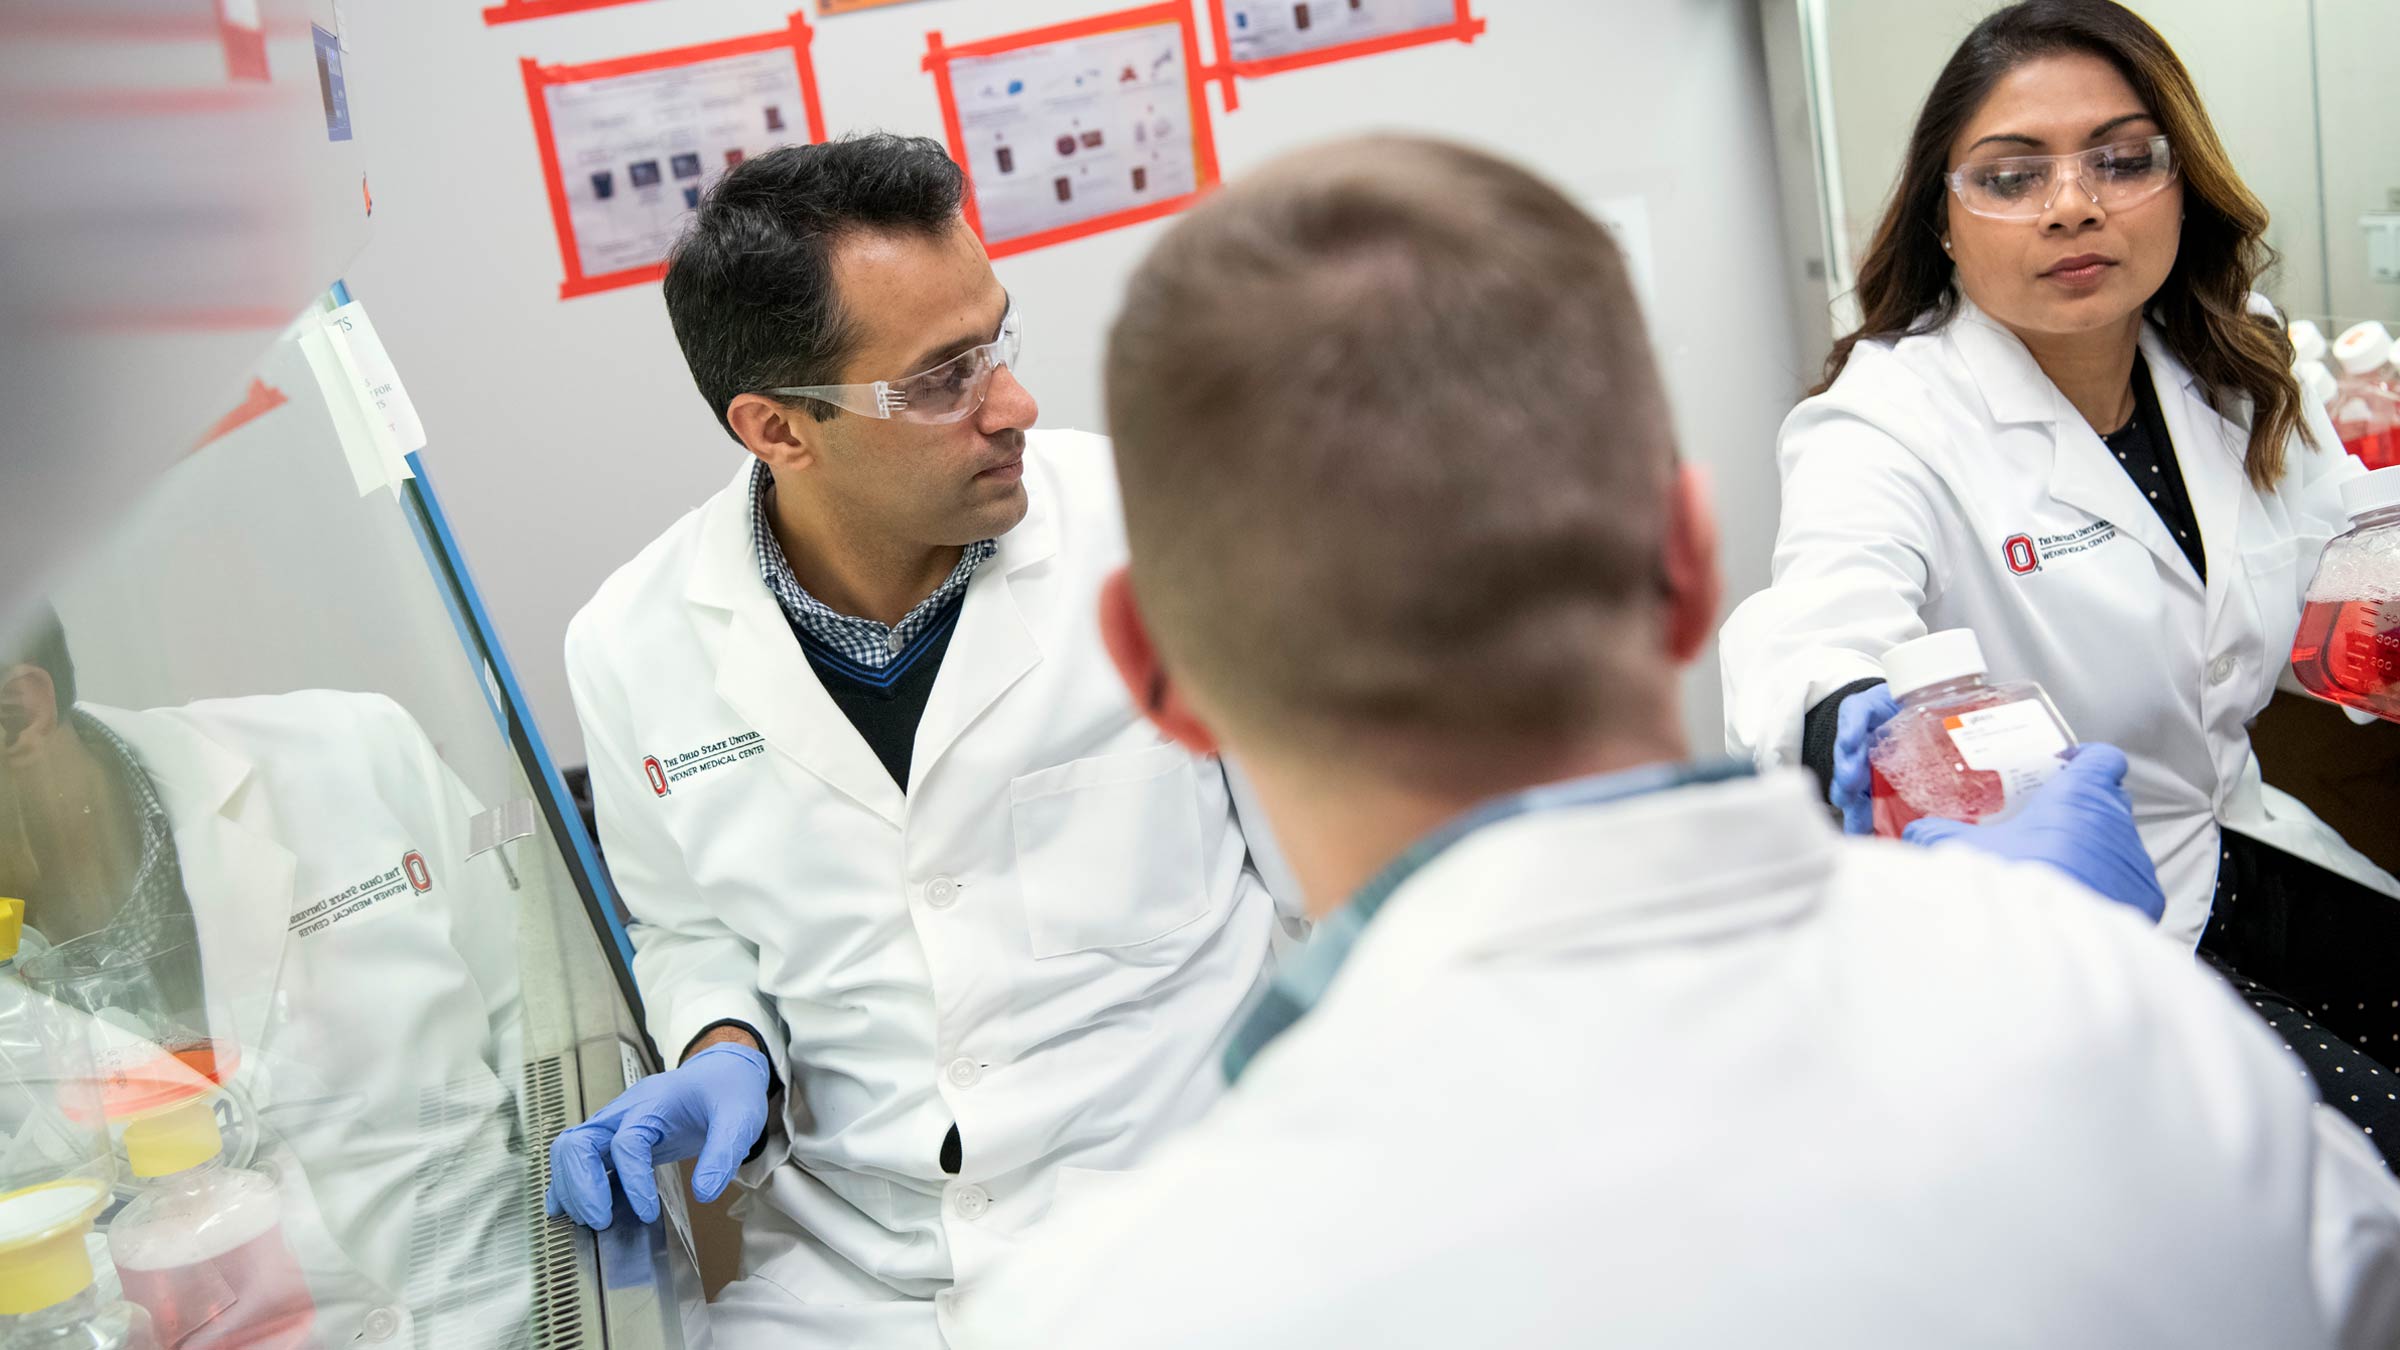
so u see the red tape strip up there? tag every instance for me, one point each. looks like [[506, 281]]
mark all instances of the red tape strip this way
[[516, 11], [261, 399]]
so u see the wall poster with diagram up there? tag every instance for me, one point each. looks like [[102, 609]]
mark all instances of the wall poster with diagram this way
[[629, 146], [1077, 128], [1263, 37]]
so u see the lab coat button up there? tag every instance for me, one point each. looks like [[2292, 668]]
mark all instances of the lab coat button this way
[[971, 1202], [965, 1072], [942, 894], [380, 1325], [2221, 669]]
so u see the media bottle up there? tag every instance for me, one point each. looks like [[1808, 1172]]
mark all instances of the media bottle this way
[[2348, 646], [49, 1292], [202, 1249], [2366, 406], [1961, 747]]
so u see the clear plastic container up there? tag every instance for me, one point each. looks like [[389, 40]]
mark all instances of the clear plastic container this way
[[202, 1249], [49, 1294], [2366, 405], [51, 1126], [1961, 747], [2348, 646], [2309, 347]]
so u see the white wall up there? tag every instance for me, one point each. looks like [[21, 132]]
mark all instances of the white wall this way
[[565, 435], [2250, 59], [2358, 75]]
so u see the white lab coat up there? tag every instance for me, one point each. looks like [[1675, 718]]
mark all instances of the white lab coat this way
[[1903, 487], [1689, 1070], [1045, 939], [380, 1039]]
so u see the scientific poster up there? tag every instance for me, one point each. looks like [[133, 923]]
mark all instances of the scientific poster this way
[[630, 147], [1069, 131], [1265, 36]]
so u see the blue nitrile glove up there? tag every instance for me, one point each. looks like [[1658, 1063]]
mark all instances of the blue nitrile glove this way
[[712, 1107], [1853, 790], [2080, 822]]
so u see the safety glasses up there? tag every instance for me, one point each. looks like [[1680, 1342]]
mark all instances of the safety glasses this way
[[2025, 187], [953, 390]]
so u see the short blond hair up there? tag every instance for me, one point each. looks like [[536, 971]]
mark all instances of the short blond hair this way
[[1394, 452]]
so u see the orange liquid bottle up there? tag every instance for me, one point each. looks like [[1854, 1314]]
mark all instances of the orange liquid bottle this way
[[2348, 646], [1962, 747]]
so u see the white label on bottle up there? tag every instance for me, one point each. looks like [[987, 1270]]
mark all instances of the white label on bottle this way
[[2019, 741]]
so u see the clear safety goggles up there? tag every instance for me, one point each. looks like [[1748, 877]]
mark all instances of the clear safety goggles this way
[[2025, 187], [953, 390]]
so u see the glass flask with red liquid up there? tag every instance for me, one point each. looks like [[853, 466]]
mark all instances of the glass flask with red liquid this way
[[2366, 404], [2348, 646], [201, 1249], [1961, 747]]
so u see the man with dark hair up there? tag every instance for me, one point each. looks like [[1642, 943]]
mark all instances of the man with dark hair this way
[[1595, 1045], [939, 929]]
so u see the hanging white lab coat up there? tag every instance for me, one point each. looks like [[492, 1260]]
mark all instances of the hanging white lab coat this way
[[1044, 939], [368, 970], [1690, 1070], [1945, 482]]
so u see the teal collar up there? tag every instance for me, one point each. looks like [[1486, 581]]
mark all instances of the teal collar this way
[[1304, 978]]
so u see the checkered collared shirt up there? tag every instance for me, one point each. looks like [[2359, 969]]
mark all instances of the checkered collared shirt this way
[[156, 912], [870, 644]]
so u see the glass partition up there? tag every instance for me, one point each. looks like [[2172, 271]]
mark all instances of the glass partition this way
[[308, 968]]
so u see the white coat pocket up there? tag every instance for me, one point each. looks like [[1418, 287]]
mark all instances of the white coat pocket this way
[[1108, 850], [2277, 573]]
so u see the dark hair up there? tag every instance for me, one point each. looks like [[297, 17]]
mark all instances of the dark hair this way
[[1905, 283], [41, 641], [749, 287], [1394, 454]]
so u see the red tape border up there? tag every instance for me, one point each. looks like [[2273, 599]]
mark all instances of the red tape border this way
[[539, 78], [1466, 28], [938, 57], [516, 11]]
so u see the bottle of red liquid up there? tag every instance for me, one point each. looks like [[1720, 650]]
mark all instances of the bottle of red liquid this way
[[202, 1249], [2348, 647], [1961, 747], [2366, 409]]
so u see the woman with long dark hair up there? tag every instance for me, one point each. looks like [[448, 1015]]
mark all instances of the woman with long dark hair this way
[[2068, 423]]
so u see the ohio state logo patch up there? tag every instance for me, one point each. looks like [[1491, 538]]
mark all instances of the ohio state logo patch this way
[[420, 877], [2020, 555], [672, 771]]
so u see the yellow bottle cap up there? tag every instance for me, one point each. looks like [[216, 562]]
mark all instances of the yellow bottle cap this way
[[12, 926], [43, 1261], [181, 1137]]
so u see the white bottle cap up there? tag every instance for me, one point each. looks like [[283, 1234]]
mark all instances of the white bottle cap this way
[[1934, 658], [2377, 491], [2308, 342], [2317, 383], [2363, 348]]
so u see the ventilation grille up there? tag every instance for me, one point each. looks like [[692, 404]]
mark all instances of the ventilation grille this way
[[557, 1279], [478, 1202]]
